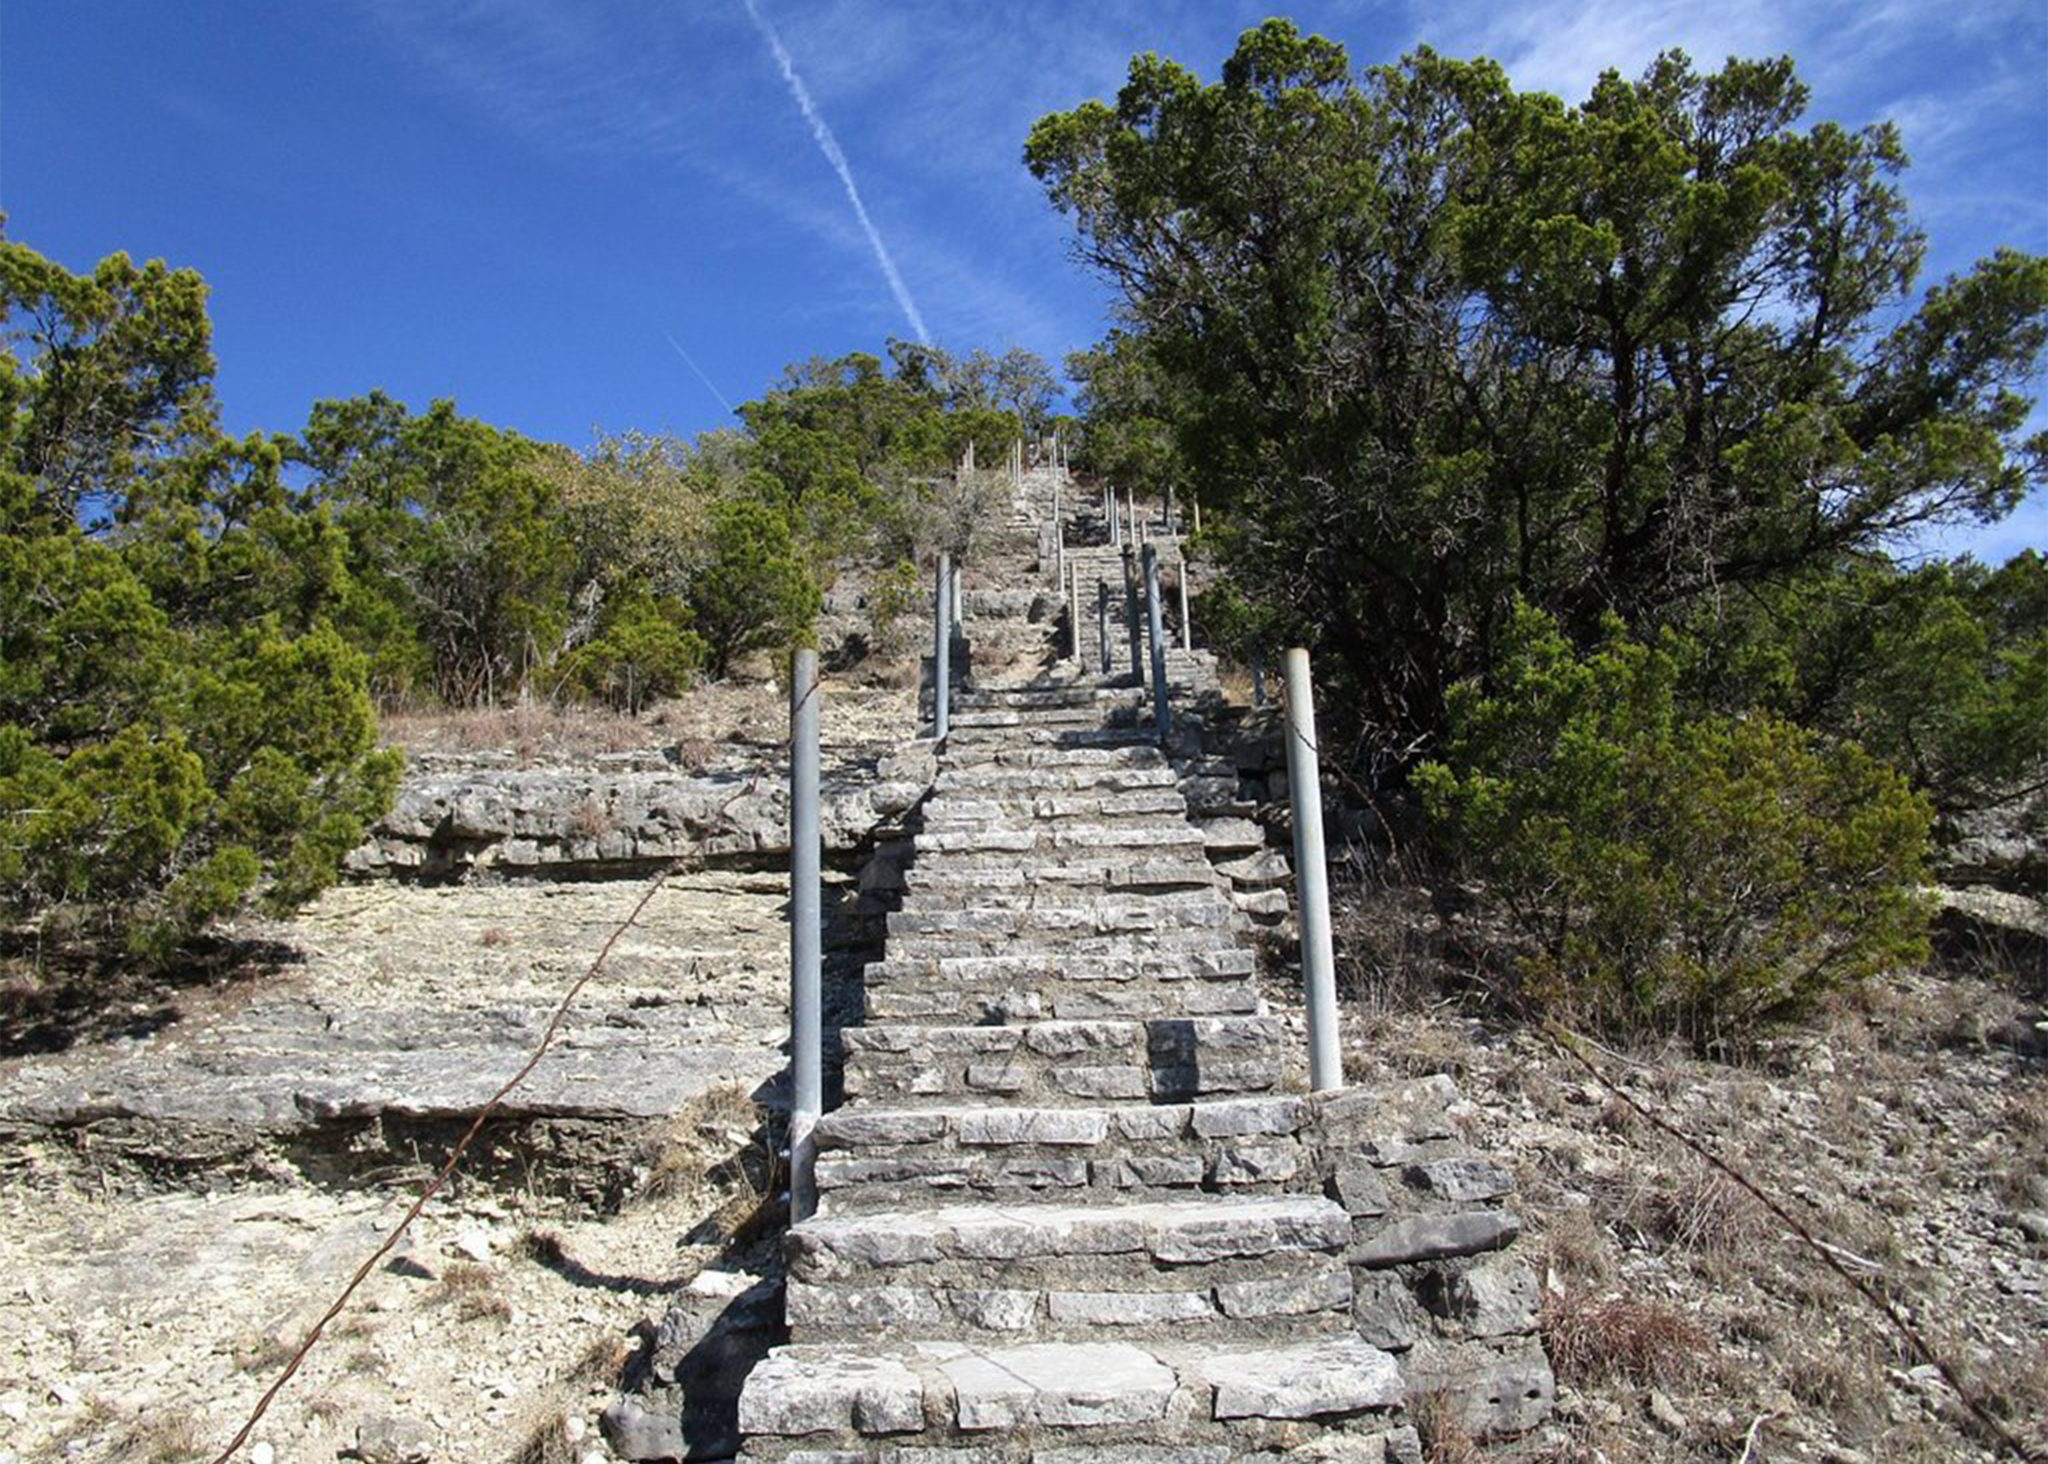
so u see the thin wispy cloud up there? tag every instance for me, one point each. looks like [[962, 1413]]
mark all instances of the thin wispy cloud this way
[[692, 364], [829, 146]]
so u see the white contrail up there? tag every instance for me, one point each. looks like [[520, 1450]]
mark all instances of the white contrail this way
[[829, 146], [700, 375]]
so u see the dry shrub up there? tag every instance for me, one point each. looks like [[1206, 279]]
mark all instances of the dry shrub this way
[[603, 1360], [532, 731], [163, 1438], [1445, 1439], [1621, 1337], [473, 1291], [546, 1440], [1705, 1213], [589, 819], [1578, 1246]]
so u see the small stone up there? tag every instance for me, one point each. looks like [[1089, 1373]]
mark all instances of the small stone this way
[[2034, 1224], [474, 1244], [393, 1438], [1665, 1413], [262, 1453], [1463, 1180]]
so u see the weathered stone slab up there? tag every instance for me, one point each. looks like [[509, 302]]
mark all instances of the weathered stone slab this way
[[792, 1392], [1344, 1375], [1434, 1237], [1057, 1385]]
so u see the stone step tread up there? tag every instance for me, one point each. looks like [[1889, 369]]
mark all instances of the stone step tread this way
[[1001, 1125], [1184, 1230], [1229, 962], [1013, 1390], [1062, 1039], [1067, 1001], [936, 875]]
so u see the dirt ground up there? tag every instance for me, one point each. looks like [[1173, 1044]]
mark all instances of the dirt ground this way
[[145, 1306]]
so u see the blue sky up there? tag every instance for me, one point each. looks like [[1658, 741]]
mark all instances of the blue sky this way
[[541, 207]]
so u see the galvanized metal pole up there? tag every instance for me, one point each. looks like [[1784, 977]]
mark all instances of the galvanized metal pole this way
[[942, 646], [1311, 878], [1137, 523], [1162, 711], [1258, 675], [1116, 518], [806, 1069], [1187, 626], [1074, 613], [1198, 515], [1102, 621], [1131, 615]]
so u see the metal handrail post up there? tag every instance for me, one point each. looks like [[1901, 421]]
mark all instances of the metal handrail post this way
[[1311, 878], [1162, 710], [1102, 621], [805, 936], [1137, 635], [942, 647]]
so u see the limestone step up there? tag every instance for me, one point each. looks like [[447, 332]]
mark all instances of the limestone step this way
[[1019, 807], [1026, 753], [1041, 918], [1117, 873], [1066, 1063], [1072, 1402], [1172, 941], [873, 1158], [1078, 836], [989, 782]]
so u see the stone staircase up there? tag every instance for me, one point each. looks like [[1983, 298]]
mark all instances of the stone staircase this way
[[1076, 1205]]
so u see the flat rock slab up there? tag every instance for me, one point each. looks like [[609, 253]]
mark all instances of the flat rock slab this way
[[1054, 1384], [1173, 1232], [796, 1392], [1345, 1375]]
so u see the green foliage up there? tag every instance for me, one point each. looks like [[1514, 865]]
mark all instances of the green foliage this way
[[1709, 874], [895, 597], [455, 532], [1425, 343], [645, 651], [1941, 670], [181, 728], [755, 592]]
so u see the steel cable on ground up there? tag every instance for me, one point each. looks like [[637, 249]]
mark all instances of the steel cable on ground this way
[[490, 1106]]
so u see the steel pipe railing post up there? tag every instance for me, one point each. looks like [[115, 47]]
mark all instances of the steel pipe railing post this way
[[1258, 675], [1137, 523], [1102, 621], [1137, 635], [805, 936], [942, 647], [1311, 877], [1187, 626], [1074, 614], [1162, 710]]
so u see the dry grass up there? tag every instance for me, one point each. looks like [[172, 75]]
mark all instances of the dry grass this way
[[602, 1361], [163, 1438], [473, 1291], [546, 1439], [531, 731], [1445, 1439], [1597, 1340]]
